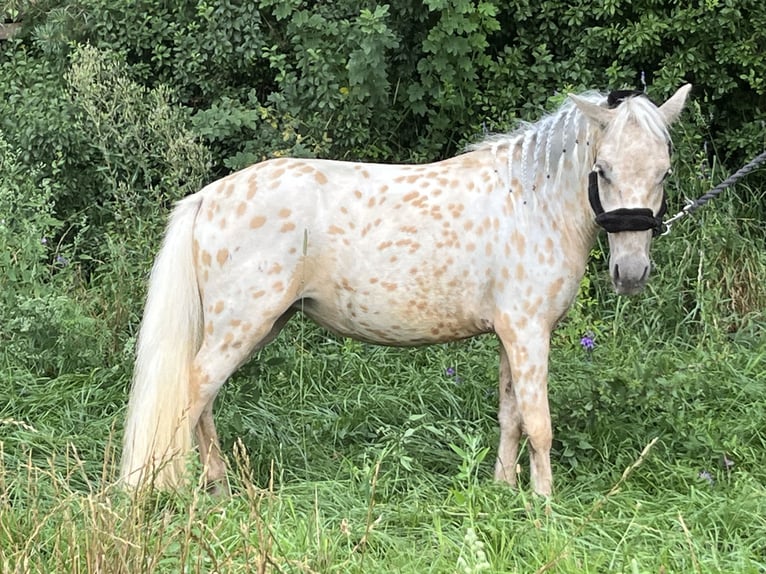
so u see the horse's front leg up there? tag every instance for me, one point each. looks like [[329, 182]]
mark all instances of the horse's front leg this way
[[509, 418], [527, 350]]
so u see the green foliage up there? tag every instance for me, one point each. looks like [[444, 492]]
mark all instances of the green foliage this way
[[42, 327]]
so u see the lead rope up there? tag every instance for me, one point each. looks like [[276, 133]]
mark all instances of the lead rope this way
[[693, 206]]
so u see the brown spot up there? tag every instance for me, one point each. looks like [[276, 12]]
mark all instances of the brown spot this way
[[222, 223], [470, 247], [488, 249], [277, 173], [373, 280], [246, 327], [241, 208], [411, 195], [520, 272], [383, 189], [274, 269], [284, 213], [251, 190], [320, 178], [385, 245], [371, 202], [357, 194], [389, 286], [393, 259], [209, 329], [408, 229], [555, 287], [278, 286], [518, 241], [258, 294], [411, 178], [222, 256], [227, 339], [468, 225], [257, 221], [218, 307], [288, 226], [235, 322], [335, 230]]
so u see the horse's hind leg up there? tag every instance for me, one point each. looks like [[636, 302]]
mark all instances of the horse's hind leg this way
[[210, 452], [509, 418], [213, 365]]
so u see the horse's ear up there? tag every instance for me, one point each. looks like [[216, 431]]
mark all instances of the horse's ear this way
[[671, 109], [594, 112]]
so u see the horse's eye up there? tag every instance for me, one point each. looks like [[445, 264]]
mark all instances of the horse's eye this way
[[667, 173]]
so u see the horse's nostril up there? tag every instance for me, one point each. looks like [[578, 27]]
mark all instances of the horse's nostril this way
[[644, 274], [616, 272]]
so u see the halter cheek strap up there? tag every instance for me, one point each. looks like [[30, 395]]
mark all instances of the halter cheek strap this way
[[624, 219]]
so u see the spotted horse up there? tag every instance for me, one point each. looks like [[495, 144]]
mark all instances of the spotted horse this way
[[495, 240]]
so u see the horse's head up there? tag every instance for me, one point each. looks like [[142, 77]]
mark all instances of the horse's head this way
[[632, 160]]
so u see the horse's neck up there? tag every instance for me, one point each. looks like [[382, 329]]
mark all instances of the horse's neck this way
[[547, 179]]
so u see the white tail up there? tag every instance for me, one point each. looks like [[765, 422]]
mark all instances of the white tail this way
[[158, 437]]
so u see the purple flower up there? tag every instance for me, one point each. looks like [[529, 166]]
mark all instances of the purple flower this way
[[61, 260], [588, 341], [44, 240], [450, 372], [705, 475]]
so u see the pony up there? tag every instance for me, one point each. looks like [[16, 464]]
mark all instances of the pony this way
[[494, 240]]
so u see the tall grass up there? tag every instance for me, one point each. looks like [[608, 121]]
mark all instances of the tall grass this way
[[377, 460]]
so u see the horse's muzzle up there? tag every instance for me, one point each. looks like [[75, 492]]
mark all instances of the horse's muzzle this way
[[629, 275]]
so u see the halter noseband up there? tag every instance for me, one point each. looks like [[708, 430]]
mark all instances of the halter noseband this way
[[624, 218]]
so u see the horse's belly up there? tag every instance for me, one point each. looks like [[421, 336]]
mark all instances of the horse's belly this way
[[406, 318]]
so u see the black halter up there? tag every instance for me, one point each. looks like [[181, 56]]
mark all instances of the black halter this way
[[623, 219]]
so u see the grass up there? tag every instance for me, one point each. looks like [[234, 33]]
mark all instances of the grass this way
[[350, 458]]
